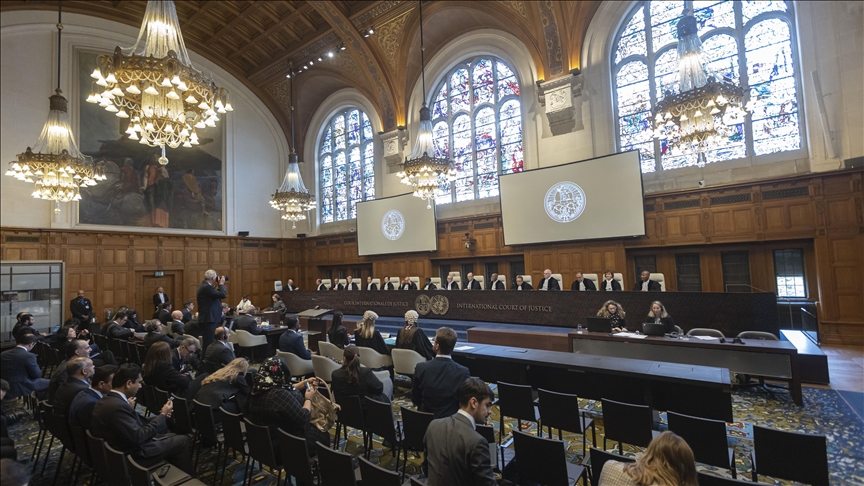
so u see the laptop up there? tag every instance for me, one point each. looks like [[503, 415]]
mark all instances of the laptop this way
[[652, 329], [599, 324]]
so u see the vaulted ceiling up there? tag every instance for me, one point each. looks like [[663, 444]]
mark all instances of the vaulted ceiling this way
[[257, 41]]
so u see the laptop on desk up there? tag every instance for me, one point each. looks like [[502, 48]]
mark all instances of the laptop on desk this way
[[652, 329], [599, 324]]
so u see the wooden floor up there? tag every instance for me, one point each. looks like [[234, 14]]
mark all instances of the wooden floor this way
[[846, 367]]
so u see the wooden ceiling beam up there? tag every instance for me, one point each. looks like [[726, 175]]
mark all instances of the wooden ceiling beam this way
[[237, 19], [201, 10], [279, 24]]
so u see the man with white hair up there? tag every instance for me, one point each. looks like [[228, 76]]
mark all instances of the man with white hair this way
[[177, 325], [548, 283], [210, 294]]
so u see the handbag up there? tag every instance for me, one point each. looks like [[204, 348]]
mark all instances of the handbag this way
[[323, 412]]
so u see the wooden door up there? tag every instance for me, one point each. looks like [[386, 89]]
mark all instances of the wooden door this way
[[146, 309]]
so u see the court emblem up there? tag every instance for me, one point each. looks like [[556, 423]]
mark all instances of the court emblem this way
[[564, 202], [393, 225], [438, 305]]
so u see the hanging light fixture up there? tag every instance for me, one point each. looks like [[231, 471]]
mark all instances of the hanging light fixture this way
[[292, 198], [421, 170], [57, 168], [155, 86]]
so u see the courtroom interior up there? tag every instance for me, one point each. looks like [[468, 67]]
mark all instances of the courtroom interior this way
[[314, 241]]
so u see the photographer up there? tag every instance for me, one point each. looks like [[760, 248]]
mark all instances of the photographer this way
[[210, 294]]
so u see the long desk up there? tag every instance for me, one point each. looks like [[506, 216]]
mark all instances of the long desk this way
[[775, 359], [700, 391]]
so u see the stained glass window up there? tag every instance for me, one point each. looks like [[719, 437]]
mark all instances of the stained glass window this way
[[346, 161], [477, 123], [747, 42]]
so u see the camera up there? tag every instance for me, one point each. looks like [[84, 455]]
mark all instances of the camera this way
[[225, 277]]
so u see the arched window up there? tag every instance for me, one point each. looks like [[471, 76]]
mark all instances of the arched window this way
[[749, 42], [477, 123], [346, 159]]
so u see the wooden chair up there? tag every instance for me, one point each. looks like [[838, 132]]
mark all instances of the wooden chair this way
[[544, 461]]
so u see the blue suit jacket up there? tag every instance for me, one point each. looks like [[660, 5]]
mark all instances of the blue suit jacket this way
[[20, 369], [292, 342], [81, 410], [436, 386]]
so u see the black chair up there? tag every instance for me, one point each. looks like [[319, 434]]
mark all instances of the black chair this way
[[97, 454], [350, 414], [706, 438], [142, 476], [337, 468], [161, 397], [544, 461], [116, 465], [149, 394], [295, 458], [488, 433], [623, 422], [82, 450], [261, 448], [790, 455], [599, 458], [58, 425], [559, 411], [414, 425], [207, 432], [417, 482], [516, 401], [235, 439], [373, 474], [47, 418], [379, 421], [183, 421], [141, 352], [39, 415], [115, 347], [712, 480]]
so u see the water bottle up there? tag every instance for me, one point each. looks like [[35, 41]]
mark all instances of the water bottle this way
[[579, 329]]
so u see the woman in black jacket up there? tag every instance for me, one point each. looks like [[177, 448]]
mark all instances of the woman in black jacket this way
[[615, 313], [412, 337], [338, 334], [367, 336], [159, 370], [351, 379], [226, 387], [658, 315]]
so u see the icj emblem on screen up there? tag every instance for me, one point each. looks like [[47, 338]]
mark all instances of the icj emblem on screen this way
[[564, 202], [393, 225]]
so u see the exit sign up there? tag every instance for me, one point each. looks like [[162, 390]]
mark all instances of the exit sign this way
[[158, 273]]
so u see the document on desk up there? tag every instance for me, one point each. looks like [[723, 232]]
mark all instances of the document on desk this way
[[630, 335], [463, 348], [706, 338]]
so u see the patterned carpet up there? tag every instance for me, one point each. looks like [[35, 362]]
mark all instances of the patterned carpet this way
[[827, 412]]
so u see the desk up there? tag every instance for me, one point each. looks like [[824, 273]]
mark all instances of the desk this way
[[700, 391], [775, 359]]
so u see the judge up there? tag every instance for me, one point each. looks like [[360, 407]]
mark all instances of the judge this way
[[451, 285], [349, 283], [521, 284], [429, 285], [582, 284], [548, 283], [609, 284], [407, 284], [495, 284], [319, 285], [290, 287], [387, 285], [472, 284], [645, 284], [160, 297], [370, 285]]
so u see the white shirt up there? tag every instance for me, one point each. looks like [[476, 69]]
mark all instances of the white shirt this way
[[161, 297], [450, 285], [121, 395], [322, 286], [545, 284], [582, 285], [100, 393], [492, 287], [348, 286], [369, 286], [290, 288], [426, 287], [468, 284], [519, 287], [406, 286], [609, 285], [470, 418], [645, 285]]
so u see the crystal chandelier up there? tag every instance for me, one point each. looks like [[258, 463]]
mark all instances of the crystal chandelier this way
[[57, 168], [156, 87], [292, 198], [421, 170], [703, 116]]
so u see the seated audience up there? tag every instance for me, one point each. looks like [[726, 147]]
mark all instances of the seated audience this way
[[245, 304], [163, 313], [609, 283], [187, 309], [159, 371], [7, 445], [615, 313], [220, 352], [667, 460], [116, 329], [246, 322], [24, 325], [154, 335], [521, 284], [77, 348], [79, 371], [115, 420], [337, 333], [352, 379], [226, 387], [658, 315], [18, 366], [178, 327], [278, 305], [645, 283], [291, 341], [456, 453], [132, 321], [367, 336], [412, 337], [63, 337], [81, 408], [582, 284], [184, 355], [436, 382]]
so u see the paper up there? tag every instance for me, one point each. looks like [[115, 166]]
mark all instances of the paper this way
[[705, 338], [463, 348], [630, 335]]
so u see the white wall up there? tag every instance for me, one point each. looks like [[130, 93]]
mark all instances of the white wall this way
[[255, 148]]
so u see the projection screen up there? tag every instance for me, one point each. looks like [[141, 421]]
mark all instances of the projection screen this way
[[590, 199], [397, 224]]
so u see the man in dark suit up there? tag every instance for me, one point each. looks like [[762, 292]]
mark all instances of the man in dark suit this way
[[220, 352], [117, 329], [79, 372], [472, 284], [18, 366], [291, 341], [115, 420], [548, 282], [246, 322], [210, 294], [185, 354], [455, 452], [319, 285], [645, 284], [81, 409], [160, 297], [386, 285], [24, 325], [429, 285], [495, 284], [154, 335], [178, 325], [407, 284], [436, 382], [451, 285], [82, 308], [370, 285], [582, 284], [187, 309], [163, 313], [521, 284], [290, 286]]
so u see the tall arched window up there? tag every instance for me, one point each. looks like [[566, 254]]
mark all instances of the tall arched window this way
[[749, 42], [347, 162], [477, 123]]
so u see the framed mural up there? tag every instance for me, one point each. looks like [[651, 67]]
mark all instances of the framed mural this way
[[185, 194]]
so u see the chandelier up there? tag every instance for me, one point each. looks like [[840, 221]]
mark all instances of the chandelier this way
[[292, 198], [703, 116], [57, 168], [422, 171], [156, 87]]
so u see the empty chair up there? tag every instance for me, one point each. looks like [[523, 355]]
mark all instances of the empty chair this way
[[350, 414], [414, 425], [235, 439], [116, 465], [706, 438], [679, 330], [544, 461], [142, 476], [295, 458], [324, 367], [790, 455], [372, 474], [628, 423], [561, 411], [82, 449], [58, 425], [599, 458], [261, 447], [208, 432], [39, 415], [712, 480], [298, 366], [516, 401], [373, 359], [488, 433], [246, 339], [405, 360], [183, 423], [379, 421], [763, 336], [329, 350], [97, 454], [704, 331], [336, 467]]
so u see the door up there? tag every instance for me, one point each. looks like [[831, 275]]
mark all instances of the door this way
[[146, 309]]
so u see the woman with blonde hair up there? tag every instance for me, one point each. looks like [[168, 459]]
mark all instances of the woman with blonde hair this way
[[413, 338], [226, 387], [658, 315], [615, 313], [668, 461], [368, 337]]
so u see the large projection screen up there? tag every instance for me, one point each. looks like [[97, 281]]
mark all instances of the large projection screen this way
[[591, 199], [397, 224]]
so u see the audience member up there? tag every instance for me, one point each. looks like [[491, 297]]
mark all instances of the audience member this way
[[178, 327], [24, 325], [187, 309], [226, 387], [291, 341], [667, 460], [13, 473], [615, 313], [154, 335], [81, 408], [367, 336], [159, 371], [220, 352], [132, 321], [246, 322], [436, 383], [79, 370], [412, 337], [63, 337], [658, 315], [337, 333], [184, 354], [163, 313], [18, 366], [116, 328], [278, 304], [456, 453], [352, 379], [77, 348], [7, 445], [210, 310], [245, 304]]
